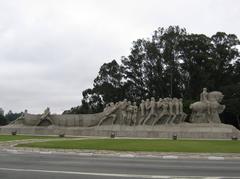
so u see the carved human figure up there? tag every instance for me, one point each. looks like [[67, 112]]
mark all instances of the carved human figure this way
[[180, 105], [21, 117], [23, 114], [152, 112], [175, 110], [45, 114], [142, 111], [207, 110], [147, 107], [159, 106], [109, 113], [204, 98], [183, 114], [45, 117], [123, 107], [135, 112], [159, 103], [176, 106], [106, 108], [170, 110], [129, 113], [164, 112], [170, 105]]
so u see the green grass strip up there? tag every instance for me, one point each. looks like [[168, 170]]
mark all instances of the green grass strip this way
[[144, 145]]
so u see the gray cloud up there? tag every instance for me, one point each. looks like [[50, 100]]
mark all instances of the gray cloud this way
[[51, 50]]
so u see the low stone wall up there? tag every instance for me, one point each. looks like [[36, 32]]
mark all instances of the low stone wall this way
[[184, 130]]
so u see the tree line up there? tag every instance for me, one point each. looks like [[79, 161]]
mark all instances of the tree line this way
[[8, 117], [172, 63]]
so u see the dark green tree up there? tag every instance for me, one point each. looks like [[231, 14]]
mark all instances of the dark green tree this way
[[108, 85], [196, 64], [224, 54], [232, 101], [2, 120], [10, 116], [152, 68]]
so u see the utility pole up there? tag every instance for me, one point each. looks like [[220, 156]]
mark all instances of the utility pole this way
[[171, 85]]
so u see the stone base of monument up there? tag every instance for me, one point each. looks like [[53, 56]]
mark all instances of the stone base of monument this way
[[184, 130]]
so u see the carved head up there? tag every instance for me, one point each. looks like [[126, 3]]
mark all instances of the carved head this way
[[215, 96], [221, 97], [112, 104], [175, 99], [204, 89]]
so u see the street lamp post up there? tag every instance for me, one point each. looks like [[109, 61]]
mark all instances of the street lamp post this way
[[171, 79]]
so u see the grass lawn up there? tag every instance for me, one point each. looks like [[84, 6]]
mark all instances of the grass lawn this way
[[21, 137], [146, 145]]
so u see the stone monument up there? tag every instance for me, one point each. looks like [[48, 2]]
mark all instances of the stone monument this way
[[162, 118], [207, 110], [126, 113]]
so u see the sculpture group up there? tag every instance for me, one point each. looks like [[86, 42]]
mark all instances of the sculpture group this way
[[162, 118], [149, 112]]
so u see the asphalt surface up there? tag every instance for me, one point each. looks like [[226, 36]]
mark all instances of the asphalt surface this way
[[27, 165]]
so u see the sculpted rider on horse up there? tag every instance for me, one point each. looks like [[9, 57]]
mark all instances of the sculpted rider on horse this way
[[204, 99]]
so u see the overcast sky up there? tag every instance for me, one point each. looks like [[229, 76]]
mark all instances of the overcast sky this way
[[51, 50]]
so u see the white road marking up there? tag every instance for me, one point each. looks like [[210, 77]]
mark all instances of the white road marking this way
[[112, 174]]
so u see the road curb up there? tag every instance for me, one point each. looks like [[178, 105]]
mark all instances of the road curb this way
[[167, 156]]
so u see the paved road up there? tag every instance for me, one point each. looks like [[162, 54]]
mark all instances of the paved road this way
[[19, 165]]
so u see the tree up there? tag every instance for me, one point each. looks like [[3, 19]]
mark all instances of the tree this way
[[2, 120], [10, 116], [135, 69], [108, 85], [224, 53], [197, 63], [232, 101], [154, 63], [92, 101]]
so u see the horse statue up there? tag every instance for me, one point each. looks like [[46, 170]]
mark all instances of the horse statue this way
[[207, 110]]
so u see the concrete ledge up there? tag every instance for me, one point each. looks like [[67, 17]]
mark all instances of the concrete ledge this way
[[185, 130]]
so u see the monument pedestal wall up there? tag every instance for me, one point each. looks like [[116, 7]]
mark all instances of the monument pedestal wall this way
[[183, 130]]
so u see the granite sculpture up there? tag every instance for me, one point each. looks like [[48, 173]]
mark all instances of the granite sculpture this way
[[162, 118], [207, 110], [149, 112]]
